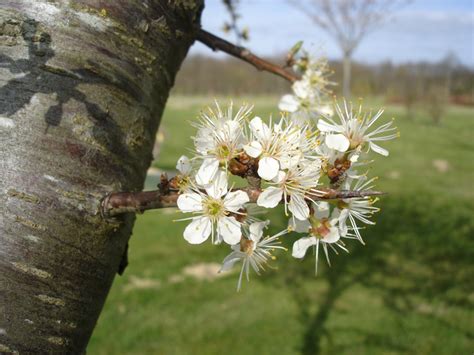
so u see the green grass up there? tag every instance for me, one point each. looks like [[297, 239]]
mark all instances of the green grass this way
[[408, 291]]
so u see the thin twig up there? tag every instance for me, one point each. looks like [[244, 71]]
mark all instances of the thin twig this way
[[138, 202], [217, 43]]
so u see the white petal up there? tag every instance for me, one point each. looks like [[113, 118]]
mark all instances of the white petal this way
[[342, 223], [378, 149], [354, 157], [184, 165], [230, 261], [343, 216], [300, 118], [321, 210], [290, 161], [301, 245], [256, 230], [279, 177], [260, 130], [218, 185], [333, 235], [288, 103], [235, 200], [323, 126], [326, 110], [298, 207], [232, 130], [190, 202], [229, 229], [338, 142], [277, 127], [301, 88], [254, 149], [198, 230], [299, 226], [268, 168], [352, 174], [204, 141], [270, 197], [207, 171], [336, 212]]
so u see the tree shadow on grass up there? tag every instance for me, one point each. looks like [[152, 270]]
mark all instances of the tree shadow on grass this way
[[419, 253]]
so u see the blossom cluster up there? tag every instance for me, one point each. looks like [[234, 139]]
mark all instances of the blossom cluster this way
[[293, 161], [310, 95]]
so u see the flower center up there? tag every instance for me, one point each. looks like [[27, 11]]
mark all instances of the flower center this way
[[183, 182], [246, 246], [214, 208], [305, 104], [355, 142], [315, 80], [223, 152], [320, 227]]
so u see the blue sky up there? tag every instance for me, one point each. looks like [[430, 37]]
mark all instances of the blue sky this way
[[423, 30]]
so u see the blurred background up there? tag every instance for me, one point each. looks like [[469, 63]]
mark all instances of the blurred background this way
[[410, 289]]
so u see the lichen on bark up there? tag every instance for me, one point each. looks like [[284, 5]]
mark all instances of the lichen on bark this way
[[83, 85]]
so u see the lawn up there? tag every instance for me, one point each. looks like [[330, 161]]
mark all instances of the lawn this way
[[409, 290]]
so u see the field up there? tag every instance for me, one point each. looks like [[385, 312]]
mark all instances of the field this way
[[408, 291]]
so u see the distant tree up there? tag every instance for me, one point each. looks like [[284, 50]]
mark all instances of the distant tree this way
[[348, 22], [408, 89], [448, 64], [436, 102]]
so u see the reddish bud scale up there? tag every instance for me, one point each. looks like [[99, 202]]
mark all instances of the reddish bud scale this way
[[243, 165], [174, 182], [164, 184], [336, 172], [246, 245], [240, 216]]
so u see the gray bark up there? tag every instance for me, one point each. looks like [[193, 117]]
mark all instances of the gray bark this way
[[83, 85]]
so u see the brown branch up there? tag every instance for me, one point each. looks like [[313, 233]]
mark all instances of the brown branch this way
[[217, 43], [137, 202]]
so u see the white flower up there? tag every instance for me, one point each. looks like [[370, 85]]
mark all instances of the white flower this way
[[308, 100], [291, 187], [328, 155], [331, 158], [207, 171], [289, 103], [305, 103], [353, 209], [279, 146], [215, 209], [321, 230], [326, 110], [185, 169], [308, 63], [354, 127], [219, 139], [184, 165], [252, 250], [337, 142], [282, 163]]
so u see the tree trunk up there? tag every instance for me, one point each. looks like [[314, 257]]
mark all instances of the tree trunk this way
[[83, 85], [346, 75]]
